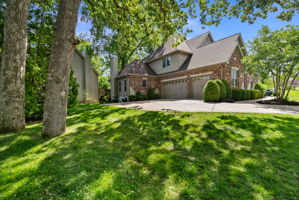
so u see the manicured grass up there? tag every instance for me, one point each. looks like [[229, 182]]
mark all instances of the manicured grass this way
[[294, 95], [115, 153]]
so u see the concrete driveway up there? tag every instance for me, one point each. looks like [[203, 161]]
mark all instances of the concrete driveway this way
[[191, 105]]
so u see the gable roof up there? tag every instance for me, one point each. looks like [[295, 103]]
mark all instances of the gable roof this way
[[137, 67], [168, 48], [215, 53], [200, 40], [203, 51]]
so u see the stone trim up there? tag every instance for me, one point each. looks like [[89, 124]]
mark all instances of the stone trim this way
[[201, 74], [173, 79]]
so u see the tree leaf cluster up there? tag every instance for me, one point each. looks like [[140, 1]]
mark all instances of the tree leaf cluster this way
[[275, 54]]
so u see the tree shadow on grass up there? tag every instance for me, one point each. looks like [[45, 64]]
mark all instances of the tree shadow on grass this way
[[126, 154]]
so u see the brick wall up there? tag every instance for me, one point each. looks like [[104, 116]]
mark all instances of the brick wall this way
[[135, 83], [235, 61]]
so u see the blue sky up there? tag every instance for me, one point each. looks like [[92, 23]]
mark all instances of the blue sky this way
[[227, 27]]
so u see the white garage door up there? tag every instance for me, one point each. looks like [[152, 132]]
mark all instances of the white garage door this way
[[198, 84], [174, 89]]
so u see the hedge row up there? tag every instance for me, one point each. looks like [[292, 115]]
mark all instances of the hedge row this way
[[149, 95], [242, 94], [219, 90]]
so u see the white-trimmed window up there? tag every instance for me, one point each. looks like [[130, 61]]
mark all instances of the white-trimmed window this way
[[166, 61], [144, 83], [125, 85], [235, 75]]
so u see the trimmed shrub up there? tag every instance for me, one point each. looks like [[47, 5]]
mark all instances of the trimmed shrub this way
[[124, 99], [259, 94], [228, 89], [157, 96], [236, 94], [222, 89], [132, 98], [248, 94], [260, 88], [144, 97], [73, 91], [138, 96], [252, 94], [114, 100], [244, 94], [211, 91], [151, 93], [256, 93]]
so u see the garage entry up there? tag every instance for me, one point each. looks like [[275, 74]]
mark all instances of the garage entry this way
[[174, 89], [198, 84]]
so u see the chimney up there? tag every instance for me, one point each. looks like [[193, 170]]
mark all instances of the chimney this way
[[113, 75]]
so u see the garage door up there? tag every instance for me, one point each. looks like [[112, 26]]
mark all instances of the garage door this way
[[174, 89], [198, 84]]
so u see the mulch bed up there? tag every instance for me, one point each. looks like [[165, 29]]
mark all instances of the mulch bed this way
[[274, 102]]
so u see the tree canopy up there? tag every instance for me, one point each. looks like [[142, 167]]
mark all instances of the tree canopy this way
[[275, 53], [131, 29], [128, 29]]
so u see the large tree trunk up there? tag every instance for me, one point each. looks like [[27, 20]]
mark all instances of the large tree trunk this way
[[55, 107], [12, 70]]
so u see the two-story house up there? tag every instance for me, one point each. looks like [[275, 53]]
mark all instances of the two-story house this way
[[180, 72]]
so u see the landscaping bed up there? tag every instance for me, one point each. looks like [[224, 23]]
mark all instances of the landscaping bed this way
[[275, 102]]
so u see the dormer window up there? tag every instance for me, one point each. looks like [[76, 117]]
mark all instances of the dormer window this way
[[166, 61]]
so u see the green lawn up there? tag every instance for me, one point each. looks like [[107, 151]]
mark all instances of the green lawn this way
[[115, 153], [294, 95]]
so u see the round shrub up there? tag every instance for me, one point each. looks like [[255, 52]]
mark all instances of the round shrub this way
[[151, 93], [228, 89], [256, 94], [260, 88], [244, 94], [211, 91], [157, 96], [132, 98], [236, 94], [259, 94], [138, 96], [222, 89]]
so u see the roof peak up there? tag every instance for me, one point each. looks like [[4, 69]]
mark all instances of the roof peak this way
[[207, 32]]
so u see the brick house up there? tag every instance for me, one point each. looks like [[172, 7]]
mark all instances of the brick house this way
[[180, 72]]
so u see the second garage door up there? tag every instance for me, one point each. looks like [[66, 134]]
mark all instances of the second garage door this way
[[197, 86], [174, 89]]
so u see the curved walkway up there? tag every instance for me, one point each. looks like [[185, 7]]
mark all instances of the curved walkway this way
[[191, 105]]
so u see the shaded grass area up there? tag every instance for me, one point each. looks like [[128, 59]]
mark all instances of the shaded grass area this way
[[116, 153], [294, 95]]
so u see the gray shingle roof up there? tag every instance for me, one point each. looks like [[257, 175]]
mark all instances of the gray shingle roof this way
[[168, 48], [203, 52], [215, 53], [137, 67], [199, 41]]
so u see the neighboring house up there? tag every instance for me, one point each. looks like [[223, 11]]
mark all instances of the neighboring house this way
[[295, 83], [87, 78], [179, 72]]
